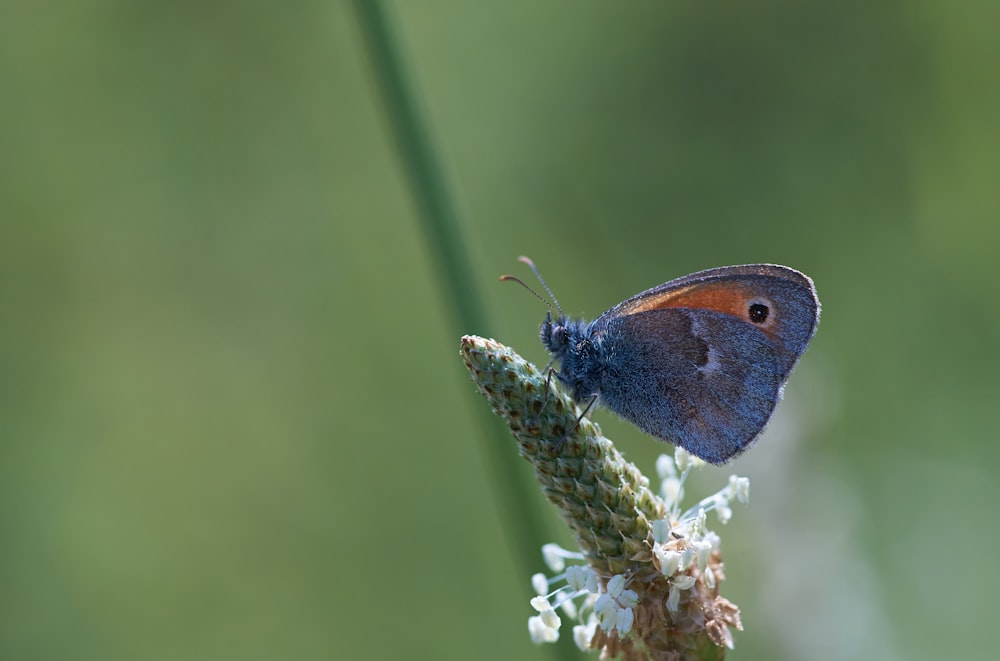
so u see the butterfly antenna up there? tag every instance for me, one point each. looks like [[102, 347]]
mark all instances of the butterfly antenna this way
[[553, 305], [514, 278], [538, 275]]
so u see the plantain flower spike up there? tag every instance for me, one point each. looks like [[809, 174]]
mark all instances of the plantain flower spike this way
[[644, 582]]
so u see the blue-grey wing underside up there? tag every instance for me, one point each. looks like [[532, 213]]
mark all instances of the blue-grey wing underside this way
[[703, 380]]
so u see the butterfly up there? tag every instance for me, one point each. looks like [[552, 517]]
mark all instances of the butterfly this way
[[699, 361]]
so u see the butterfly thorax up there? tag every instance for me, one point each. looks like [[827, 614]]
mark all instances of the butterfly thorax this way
[[571, 343]]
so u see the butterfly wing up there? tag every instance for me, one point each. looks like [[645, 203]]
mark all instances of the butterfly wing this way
[[701, 380], [788, 296], [700, 361]]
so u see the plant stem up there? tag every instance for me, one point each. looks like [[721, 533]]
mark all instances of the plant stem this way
[[510, 482]]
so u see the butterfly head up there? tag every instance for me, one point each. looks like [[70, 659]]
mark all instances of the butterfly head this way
[[556, 334]]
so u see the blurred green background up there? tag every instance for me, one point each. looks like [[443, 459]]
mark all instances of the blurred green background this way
[[233, 420]]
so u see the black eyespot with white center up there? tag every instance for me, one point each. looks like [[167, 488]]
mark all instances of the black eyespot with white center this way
[[758, 312]]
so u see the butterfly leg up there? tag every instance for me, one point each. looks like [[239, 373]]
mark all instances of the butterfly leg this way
[[586, 410], [576, 425], [548, 382]]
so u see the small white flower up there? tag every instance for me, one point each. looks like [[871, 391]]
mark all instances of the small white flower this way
[[687, 556], [722, 510], [672, 491], [686, 460], [613, 609], [709, 577], [539, 632], [626, 616], [661, 531], [540, 583], [682, 458], [740, 488], [576, 576], [628, 599], [665, 466], [670, 561], [606, 611], [554, 556], [616, 590], [683, 582], [703, 549], [698, 525], [584, 633], [615, 585], [550, 619], [728, 635], [673, 599], [540, 603]]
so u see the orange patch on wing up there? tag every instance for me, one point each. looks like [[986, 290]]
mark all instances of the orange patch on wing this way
[[726, 297]]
